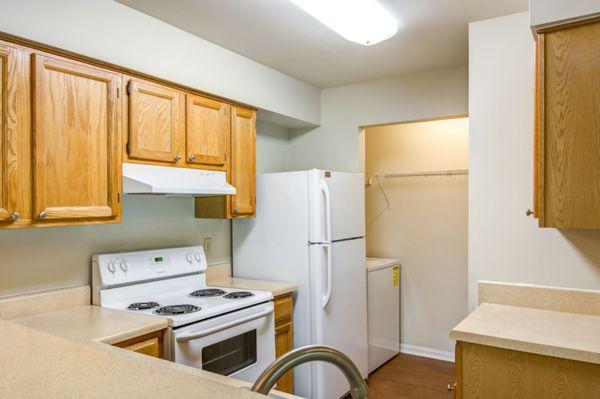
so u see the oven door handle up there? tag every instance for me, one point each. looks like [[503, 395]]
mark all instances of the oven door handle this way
[[209, 331]]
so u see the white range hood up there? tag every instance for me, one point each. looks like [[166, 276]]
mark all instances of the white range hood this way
[[165, 180]]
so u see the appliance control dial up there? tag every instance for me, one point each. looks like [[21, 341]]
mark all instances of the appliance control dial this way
[[112, 267], [197, 256], [124, 265], [189, 257]]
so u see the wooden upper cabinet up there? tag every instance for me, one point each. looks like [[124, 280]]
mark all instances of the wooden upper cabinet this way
[[243, 161], [15, 139], [77, 164], [207, 131], [155, 122], [567, 154]]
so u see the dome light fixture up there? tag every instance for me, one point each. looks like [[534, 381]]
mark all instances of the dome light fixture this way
[[364, 22]]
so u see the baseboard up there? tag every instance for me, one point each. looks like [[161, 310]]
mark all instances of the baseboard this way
[[431, 353]]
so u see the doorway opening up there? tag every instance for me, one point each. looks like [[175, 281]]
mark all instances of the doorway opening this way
[[416, 199]]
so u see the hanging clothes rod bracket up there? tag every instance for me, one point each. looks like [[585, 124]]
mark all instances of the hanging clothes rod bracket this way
[[381, 176]]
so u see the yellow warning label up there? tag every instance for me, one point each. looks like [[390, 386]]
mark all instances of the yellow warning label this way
[[396, 276]]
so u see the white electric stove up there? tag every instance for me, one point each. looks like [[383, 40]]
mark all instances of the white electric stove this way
[[227, 331]]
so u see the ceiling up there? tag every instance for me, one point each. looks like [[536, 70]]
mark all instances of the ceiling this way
[[432, 34]]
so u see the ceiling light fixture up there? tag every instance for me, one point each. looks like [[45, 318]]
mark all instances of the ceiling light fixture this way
[[364, 22]]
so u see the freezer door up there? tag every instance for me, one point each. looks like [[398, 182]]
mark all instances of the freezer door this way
[[339, 312], [343, 194]]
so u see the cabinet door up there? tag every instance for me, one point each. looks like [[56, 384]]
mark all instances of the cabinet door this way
[[77, 167], [207, 131], [284, 342], [568, 126], [156, 120], [243, 161], [15, 180]]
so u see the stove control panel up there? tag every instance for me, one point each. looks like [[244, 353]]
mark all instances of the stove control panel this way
[[133, 267]]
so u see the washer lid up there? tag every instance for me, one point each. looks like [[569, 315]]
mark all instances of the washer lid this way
[[373, 264]]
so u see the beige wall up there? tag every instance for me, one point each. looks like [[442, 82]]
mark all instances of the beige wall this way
[[504, 244], [345, 109], [272, 148], [425, 226], [40, 259]]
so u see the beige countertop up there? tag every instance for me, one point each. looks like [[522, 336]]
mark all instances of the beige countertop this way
[[545, 332], [275, 287], [93, 323], [59, 350], [39, 365]]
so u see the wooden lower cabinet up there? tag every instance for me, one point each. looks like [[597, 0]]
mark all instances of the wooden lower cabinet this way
[[284, 337], [148, 344], [485, 372]]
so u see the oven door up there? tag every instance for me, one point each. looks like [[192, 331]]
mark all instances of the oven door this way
[[240, 344]]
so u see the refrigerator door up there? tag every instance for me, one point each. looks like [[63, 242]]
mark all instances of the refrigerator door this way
[[338, 312], [343, 194]]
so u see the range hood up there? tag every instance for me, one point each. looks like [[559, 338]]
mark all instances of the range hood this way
[[166, 180]]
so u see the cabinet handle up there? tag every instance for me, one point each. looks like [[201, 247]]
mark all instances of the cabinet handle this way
[[178, 157], [235, 210], [43, 215], [451, 387], [528, 212], [15, 215], [192, 158]]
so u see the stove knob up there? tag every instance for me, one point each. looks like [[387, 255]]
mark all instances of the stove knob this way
[[124, 265], [197, 256], [188, 257], [112, 267]]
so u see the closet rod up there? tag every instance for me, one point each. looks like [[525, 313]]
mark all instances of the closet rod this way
[[454, 172]]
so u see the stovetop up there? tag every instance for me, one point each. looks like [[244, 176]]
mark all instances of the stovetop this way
[[185, 307]]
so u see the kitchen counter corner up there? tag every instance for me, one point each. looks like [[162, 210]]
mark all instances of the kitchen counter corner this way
[[543, 332], [276, 288], [93, 323]]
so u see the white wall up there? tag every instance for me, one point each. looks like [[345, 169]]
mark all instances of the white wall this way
[[504, 244], [344, 109], [425, 226], [544, 12], [113, 32], [272, 148]]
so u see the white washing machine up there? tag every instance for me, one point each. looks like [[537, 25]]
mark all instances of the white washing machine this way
[[383, 295]]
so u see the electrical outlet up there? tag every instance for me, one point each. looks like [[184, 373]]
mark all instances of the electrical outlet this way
[[208, 245]]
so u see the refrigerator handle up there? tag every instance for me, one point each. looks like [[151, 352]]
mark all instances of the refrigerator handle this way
[[327, 295], [325, 190]]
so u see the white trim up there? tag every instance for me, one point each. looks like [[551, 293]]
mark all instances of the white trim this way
[[431, 353]]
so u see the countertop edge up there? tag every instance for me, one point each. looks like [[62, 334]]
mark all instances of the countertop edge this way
[[277, 288], [526, 346], [133, 333]]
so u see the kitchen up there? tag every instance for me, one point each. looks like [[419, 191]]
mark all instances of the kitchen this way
[[304, 116]]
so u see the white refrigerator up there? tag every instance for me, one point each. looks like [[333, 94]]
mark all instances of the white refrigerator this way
[[309, 230]]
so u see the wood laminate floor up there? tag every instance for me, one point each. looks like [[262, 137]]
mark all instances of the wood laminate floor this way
[[412, 377]]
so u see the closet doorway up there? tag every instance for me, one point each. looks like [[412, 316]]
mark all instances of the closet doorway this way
[[416, 211]]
